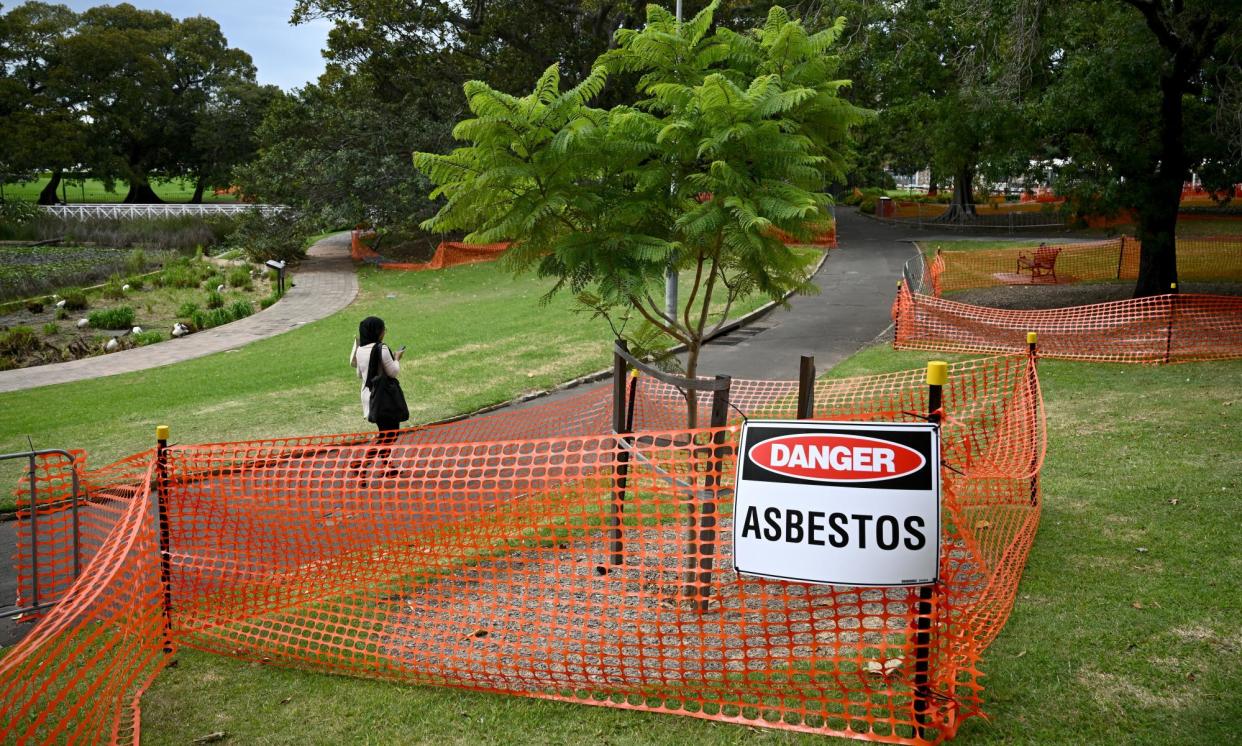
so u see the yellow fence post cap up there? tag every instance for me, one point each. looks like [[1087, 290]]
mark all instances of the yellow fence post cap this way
[[1031, 337], [937, 373], [634, 373], [161, 432], [1173, 286]]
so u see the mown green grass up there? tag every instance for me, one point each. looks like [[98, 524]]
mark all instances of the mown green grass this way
[[476, 335], [93, 190], [1107, 644]]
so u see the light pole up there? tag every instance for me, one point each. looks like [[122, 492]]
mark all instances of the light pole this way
[[670, 272]]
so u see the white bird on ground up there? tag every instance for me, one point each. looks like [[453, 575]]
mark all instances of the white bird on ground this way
[[125, 288], [220, 289], [180, 330], [83, 323], [61, 303], [112, 345], [136, 330]]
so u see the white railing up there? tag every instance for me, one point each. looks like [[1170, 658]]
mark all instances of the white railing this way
[[115, 211]]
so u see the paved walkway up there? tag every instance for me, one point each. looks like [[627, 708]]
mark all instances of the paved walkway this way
[[325, 283]]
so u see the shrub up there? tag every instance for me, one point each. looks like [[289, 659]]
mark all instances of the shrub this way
[[214, 300], [240, 309], [61, 314], [187, 310], [112, 318], [135, 283], [18, 341], [75, 299], [51, 329], [276, 236], [35, 305], [239, 277], [867, 204], [112, 289], [136, 262], [214, 281], [142, 339], [7, 363], [269, 300]]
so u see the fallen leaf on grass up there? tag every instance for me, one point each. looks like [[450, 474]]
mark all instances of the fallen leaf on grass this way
[[1141, 550], [1138, 605], [887, 668], [286, 700], [477, 633], [211, 737], [1020, 654], [1174, 501], [981, 525]]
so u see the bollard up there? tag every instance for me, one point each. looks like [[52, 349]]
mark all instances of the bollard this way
[[1031, 339], [937, 376], [161, 486]]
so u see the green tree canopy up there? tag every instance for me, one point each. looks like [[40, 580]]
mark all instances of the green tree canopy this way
[[731, 142]]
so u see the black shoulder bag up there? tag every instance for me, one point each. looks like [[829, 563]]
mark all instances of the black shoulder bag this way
[[387, 400]]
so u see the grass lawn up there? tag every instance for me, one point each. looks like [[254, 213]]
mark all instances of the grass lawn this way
[[476, 335], [1126, 628], [92, 190]]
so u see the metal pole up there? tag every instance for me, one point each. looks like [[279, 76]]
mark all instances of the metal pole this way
[[701, 546], [1168, 340], [670, 272], [77, 533], [620, 368], [806, 387], [937, 375], [34, 534], [161, 481], [1031, 346]]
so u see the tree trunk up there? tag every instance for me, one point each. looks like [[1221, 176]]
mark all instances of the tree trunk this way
[[48, 195], [1159, 205], [199, 185], [932, 188], [141, 193], [962, 208], [692, 396]]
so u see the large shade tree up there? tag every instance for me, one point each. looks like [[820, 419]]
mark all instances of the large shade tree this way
[[141, 79], [42, 129], [731, 144], [1145, 91]]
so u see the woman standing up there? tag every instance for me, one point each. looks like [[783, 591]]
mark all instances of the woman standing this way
[[371, 357]]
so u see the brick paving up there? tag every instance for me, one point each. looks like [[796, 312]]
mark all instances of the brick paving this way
[[325, 283]]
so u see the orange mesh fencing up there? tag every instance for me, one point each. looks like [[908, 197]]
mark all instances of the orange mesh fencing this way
[[533, 565], [1198, 259], [1160, 329], [448, 254], [77, 676]]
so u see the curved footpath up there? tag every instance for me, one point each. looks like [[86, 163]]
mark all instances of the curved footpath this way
[[326, 283]]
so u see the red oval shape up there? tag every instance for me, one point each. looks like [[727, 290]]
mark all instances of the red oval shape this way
[[836, 458]]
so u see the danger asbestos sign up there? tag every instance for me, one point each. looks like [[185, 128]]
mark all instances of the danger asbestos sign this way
[[838, 503]]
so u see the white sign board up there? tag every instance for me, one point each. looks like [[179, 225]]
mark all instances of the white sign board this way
[[838, 503]]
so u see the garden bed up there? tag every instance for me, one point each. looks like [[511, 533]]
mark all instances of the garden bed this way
[[195, 293]]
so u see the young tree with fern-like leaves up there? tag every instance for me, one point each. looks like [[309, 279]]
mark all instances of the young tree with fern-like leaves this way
[[730, 146]]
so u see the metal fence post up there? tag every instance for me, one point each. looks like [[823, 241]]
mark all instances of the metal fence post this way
[[161, 481], [1168, 339], [1032, 339], [621, 460], [34, 532], [806, 386], [701, 546], [937, 376]]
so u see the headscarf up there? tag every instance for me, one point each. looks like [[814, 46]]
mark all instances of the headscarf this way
[[369, 331]]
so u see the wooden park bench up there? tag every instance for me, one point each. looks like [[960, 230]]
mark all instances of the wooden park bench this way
[[1042, 264]]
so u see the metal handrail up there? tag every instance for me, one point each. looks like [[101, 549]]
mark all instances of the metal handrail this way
[[74, 500]]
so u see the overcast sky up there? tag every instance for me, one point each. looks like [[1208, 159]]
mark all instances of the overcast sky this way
[[287, 56]]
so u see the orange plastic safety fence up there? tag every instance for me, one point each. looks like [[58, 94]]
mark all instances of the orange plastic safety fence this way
[[77, 676], [448, 254], [537, 566], [1198, 259], [1159, 329]]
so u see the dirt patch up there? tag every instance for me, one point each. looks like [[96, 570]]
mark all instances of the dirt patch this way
[[1116, 692], [1029, 297]]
